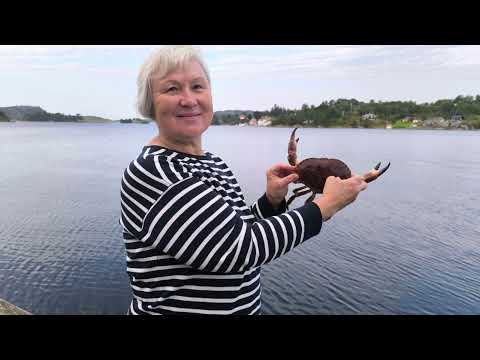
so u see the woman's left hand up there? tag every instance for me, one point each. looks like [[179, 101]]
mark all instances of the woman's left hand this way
[[279, 177]]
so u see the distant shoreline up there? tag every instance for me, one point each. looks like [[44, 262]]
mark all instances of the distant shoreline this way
[[274, 126], [73, 122], [346, 127]]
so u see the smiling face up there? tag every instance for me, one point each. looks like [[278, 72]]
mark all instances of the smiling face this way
[[183, 103]]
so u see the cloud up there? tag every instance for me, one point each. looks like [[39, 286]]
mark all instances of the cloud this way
[[341, 61], [292, 61], [464, 55], [238, 61], [59, 58], [32, 50]]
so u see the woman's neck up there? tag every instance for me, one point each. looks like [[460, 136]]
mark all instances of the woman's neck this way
[[193, 147]]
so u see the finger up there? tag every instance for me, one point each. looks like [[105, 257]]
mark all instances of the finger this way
[[289, 179], [281, 173], [355, 179], [350, 180], [363, 186], [283, 167], [331, 179]]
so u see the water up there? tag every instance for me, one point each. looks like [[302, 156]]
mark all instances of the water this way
[[410, 244]]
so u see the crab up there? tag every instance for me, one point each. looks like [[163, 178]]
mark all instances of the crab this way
[[313, 172]]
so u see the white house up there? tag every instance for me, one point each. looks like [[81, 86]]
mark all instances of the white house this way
[[265, 121], [369, 116]]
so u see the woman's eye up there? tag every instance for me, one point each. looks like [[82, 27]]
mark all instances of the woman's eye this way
[[197, 86], [172, 89]]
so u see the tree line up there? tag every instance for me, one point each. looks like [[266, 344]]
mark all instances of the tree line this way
[[57, 117], [3, 117], [134, 120], [348, 113]]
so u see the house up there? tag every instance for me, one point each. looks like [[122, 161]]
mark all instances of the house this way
[[455, 124], [253, 122], [411, 118], [415, 123], [265, 121], [242, 117], [456, 121], [369, 116], [436, 122]]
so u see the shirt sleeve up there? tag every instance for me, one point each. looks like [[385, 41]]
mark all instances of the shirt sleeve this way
[[263, 209], [191, 222]]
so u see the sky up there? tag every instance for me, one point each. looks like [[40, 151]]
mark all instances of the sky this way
[[100, 80]]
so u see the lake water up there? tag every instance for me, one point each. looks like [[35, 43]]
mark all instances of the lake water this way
[[410, 244]]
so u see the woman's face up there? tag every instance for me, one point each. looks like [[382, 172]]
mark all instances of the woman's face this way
[[183, 103]]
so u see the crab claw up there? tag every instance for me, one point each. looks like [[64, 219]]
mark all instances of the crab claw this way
[[292, 149], [375, 173]]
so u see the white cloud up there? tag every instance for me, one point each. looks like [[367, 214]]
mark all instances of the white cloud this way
[[464, 55], [12, 50], [340, 61], [238, 61]]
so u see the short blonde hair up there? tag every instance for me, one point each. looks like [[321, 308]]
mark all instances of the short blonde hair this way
[[159, 64]]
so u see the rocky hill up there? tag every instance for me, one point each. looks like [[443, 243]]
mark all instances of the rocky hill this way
[[21, 113], [36, 113]]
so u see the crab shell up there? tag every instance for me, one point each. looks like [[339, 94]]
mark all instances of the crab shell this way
[[313, 172]]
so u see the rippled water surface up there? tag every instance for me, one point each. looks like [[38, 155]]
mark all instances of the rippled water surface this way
[[410, 244]]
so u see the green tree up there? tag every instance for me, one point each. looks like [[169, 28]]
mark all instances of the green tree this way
[[4, 117], [257, 114]]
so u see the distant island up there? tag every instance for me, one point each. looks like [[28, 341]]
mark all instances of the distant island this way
[[37, 114], [134, 121], [463, 112]]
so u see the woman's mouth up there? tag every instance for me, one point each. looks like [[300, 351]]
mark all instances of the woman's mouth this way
[[189, 115]]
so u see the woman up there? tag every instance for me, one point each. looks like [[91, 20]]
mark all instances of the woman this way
[[193, 245]]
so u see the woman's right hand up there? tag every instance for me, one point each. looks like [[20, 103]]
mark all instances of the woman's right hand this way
[[339, 193]]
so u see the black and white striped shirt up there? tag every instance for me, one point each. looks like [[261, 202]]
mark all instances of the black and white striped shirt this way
[[193, 245]]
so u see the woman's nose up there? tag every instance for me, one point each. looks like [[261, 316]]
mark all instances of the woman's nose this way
[[188, 99]]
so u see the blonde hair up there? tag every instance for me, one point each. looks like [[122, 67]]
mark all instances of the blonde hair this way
[[159, 64]]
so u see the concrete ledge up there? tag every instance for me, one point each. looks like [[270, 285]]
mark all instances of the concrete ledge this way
[[9, 309]]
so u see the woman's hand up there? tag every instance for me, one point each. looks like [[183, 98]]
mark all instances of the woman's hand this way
[[339, 193], [279, 177]]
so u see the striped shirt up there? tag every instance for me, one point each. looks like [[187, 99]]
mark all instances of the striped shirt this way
[[193, 245]]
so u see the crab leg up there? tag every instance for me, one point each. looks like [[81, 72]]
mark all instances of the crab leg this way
[[292, 149], [298, 194], [375, 173]]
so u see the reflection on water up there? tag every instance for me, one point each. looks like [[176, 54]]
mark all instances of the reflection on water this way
[[408, 245]]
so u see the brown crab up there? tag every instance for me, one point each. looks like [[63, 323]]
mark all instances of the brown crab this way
[[313, 172]]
